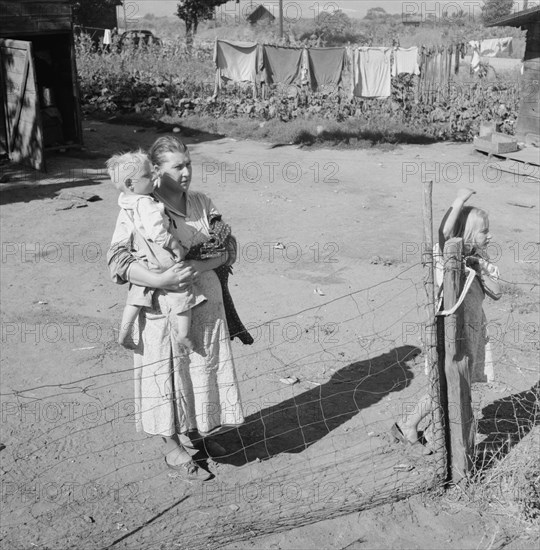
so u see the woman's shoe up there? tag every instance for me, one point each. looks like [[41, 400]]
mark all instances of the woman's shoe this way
[[189, 469]]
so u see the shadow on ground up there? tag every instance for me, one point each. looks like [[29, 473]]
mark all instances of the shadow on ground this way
[[294, 424], [505, 422]]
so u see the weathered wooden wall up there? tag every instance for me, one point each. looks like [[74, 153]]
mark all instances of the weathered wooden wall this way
[[34, 17]]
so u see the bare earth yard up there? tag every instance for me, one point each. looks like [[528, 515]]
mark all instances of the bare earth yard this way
[[329, 278]]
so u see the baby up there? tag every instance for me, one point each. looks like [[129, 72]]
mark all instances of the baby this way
[[133, 176]]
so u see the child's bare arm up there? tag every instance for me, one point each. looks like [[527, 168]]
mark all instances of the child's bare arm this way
[[450, 218]]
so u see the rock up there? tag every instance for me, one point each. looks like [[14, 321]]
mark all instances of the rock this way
[[176, 130]]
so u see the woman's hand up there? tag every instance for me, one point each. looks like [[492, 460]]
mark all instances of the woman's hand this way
[[200, 266], [177, 276]]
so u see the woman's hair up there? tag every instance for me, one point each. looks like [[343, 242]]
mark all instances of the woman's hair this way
[[165, 144], [470, 222]]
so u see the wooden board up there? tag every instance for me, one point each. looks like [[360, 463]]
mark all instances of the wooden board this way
[[22, 113]]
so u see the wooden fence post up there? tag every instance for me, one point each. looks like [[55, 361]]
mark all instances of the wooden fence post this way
[[458, 379]]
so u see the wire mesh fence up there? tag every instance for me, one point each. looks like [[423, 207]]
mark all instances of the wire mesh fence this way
[[320, 390]]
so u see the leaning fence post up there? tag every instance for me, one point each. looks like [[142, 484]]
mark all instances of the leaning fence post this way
[[433, 339], [458, 380]]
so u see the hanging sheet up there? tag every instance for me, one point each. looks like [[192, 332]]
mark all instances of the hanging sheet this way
[[237, 61], [371, 72], [405, 61], [281, 65], [325, 67]]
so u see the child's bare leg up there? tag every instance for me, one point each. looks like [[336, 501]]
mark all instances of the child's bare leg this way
[[125, 336], [183, 327], [410, 420]]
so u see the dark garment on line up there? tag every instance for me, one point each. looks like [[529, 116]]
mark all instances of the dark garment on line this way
[[281, 65], [325, 66]]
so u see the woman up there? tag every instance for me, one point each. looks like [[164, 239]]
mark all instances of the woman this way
[[180, 396]]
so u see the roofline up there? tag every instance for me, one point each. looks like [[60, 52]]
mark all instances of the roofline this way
[[517, 19]]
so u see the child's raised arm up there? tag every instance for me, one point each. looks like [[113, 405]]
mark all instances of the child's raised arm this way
[[449, 220]]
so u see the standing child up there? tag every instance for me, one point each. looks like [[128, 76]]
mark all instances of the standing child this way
[[133, 176], [472, 225]]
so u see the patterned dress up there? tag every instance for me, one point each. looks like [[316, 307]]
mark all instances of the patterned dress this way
[[176, 391]]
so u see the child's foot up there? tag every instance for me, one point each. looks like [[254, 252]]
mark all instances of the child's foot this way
[[125, 339], [409, 433]]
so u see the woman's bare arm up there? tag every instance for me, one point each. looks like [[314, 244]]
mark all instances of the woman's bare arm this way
[[174, 278]]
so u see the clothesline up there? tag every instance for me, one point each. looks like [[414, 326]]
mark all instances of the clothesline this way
[[371, 67]]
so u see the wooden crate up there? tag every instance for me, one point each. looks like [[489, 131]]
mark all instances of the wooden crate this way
[[496, 143]]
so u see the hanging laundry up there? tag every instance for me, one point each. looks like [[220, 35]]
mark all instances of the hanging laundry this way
[[435, 72], [493, 46], [475, 60], [325, 67], [281, 65], [107, 37], [371, 72], [405, 61], [236, 61]]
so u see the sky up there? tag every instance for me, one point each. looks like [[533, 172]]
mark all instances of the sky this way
[[294, 9], [309, 8]]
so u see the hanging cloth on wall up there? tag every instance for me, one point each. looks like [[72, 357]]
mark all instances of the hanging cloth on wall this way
[[325, 67], [371, 72], [405, 61], [236, 61], [281, 65]]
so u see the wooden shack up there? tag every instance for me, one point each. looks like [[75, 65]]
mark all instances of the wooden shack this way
[[39, 92], [528, 122], [260, 15]]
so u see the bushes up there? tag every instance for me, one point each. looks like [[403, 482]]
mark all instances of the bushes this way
[[168, 82]]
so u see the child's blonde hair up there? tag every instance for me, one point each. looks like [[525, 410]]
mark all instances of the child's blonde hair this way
[[123, 167], [470, 222]]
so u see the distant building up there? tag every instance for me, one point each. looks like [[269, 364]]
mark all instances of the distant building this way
[[260, 15], [412, 19]]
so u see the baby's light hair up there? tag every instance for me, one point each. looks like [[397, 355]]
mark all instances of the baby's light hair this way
[[124, 166], [470, 222]]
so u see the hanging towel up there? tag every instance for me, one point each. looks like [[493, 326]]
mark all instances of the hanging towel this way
[[107, 37], [372, 72], [325, 66], [236, 61], [405, 61], [475, 60], [494, 46], [281, 65]]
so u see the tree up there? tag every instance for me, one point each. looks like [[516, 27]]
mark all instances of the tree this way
[[95, 13], [495, 9], [193, 11], [332, 25], [376, 13]]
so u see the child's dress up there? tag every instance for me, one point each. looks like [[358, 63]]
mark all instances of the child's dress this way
[[152, 224], [475, 336]]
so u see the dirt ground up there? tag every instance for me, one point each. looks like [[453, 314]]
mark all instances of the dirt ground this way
[[329, 279]]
